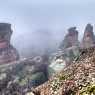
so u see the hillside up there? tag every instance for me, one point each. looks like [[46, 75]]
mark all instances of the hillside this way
[[76, 79]]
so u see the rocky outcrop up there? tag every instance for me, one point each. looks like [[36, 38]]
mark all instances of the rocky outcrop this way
[[69, 49], [7, 52], [71, 39], [88, 38]]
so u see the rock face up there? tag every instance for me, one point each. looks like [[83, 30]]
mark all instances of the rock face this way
[[88, 38], [71, 39], [76, 79], [7, 52]]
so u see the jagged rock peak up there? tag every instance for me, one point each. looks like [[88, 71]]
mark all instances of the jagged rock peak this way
[[71, 39], [89, 28], [88, 38], [72, 30]]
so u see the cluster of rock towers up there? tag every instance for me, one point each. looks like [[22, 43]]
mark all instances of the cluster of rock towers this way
[[8, 53], [71, 39]]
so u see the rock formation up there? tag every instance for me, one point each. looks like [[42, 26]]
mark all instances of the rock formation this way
[[71, 39], [69, 48], [68, 51], [7, 52], [88, 38]]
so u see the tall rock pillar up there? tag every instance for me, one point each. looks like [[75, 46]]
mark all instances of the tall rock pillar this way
[[7, 52], [71, 39], [88, 38]]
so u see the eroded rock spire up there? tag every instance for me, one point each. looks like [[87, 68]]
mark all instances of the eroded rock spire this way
[[88, 38], [7, 52]]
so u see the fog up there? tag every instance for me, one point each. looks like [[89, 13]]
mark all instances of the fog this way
[[40, 25]]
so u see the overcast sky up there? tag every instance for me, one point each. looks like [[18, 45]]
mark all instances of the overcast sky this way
[[56, 16]]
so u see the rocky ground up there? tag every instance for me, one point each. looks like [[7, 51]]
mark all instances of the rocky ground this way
[[76, 79]]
